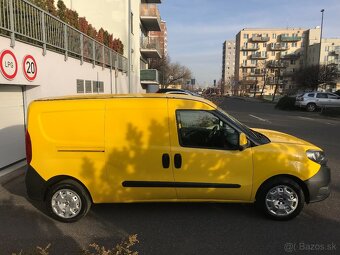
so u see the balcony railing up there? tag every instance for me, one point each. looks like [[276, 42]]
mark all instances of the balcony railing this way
[[248, 65], [250, 48], [259, 55], [22, 20], [288, 73], [290, 56], [278, 46], [277, 64], [256, 73], [274, 81], [150, 47], [260, 38], [149, 76], [285, 38], [150, 17]]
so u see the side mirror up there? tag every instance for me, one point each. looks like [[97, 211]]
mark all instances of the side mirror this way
[[243, 141]]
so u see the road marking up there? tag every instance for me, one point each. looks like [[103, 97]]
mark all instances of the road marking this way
[[306, 118], [264, 120], [318, 120]]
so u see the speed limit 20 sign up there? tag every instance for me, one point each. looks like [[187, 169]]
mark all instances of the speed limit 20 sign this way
[[30, 68]]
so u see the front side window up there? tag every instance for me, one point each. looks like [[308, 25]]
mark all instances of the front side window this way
[[321, 95], [202, 129]]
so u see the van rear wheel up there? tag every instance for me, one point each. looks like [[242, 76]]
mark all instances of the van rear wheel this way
[[281, 199], [68, 201]]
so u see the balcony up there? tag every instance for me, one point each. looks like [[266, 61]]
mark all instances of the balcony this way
[[247, 82], [334, 52], [151, 1], [291, 56], [260, 38], [274, 81], [259, 55], [248, 65], [285, 38], [276, 64], [149, 76], [288, 73], [150, 48], [278, 46], [250, 48], [150, 17], [257, 73]]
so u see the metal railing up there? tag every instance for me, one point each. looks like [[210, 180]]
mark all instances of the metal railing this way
[[22, 20], [150, 10], [150, 43]]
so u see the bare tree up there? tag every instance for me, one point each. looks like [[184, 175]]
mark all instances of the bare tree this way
[[312, 76]]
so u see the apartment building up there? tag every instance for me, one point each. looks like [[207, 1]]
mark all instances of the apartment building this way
[[228, 66], [266, 59], [162, 37], [330, 52]]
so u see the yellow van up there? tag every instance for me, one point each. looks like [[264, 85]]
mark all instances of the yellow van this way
[[177, 148]]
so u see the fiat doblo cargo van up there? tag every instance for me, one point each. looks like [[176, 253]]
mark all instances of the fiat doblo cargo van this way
[[161, 148]]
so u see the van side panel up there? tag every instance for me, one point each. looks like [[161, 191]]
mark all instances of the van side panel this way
[[137, 137], [68, 138]]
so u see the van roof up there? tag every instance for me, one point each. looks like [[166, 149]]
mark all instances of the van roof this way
[[108, 96]]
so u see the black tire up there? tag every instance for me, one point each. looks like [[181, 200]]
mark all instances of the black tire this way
[[74, 188], [272, 185], [311, 107]]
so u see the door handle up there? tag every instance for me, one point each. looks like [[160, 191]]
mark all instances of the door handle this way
[[166, 160], [178, 161]]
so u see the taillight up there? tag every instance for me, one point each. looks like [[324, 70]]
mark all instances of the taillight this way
[[28, 148]]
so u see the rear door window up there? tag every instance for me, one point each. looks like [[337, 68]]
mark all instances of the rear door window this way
[[321, 95]]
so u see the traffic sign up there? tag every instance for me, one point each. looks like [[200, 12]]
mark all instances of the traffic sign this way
[[8, 64], [30, 68]]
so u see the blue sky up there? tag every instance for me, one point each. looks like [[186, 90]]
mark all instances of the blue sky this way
[[197, 28]]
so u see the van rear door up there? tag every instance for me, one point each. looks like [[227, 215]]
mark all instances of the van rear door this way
[[138, 146]]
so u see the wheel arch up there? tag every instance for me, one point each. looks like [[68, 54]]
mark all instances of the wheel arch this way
[[292, 177], [54, 180]]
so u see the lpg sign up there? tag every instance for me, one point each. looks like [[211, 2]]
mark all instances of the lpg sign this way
[[8, 64]]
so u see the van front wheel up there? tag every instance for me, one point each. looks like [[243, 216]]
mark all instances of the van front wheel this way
[[281, 199], [67, 201]]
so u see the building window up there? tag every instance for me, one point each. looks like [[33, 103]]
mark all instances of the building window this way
[[264, 44], [294, 44], [244, 53], [88, 86], [80, 86], [95, 87], [245, 36], [273, 53], [274, 36], [292, 62], [253, 62], [131, 22]]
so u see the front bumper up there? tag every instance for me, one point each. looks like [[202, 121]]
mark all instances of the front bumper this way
[[319, 185]]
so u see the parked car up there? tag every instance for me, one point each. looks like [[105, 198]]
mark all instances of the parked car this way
[[314, 100], [163, 148], [337, 92], [178, 92]]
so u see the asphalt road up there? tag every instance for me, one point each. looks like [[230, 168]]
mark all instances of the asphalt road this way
[[190, 228]]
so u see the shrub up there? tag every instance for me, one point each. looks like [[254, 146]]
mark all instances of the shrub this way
[[286, 103]]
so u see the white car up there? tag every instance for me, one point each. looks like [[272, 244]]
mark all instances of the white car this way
[[313, 100]]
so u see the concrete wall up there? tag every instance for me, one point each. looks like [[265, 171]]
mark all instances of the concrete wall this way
[[57, 77]]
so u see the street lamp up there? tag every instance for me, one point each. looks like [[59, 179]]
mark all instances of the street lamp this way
[[319, 76]]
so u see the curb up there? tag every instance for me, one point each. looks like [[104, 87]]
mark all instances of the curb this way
[[12, 172]]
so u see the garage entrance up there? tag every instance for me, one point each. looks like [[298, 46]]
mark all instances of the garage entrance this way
[[12, 125]]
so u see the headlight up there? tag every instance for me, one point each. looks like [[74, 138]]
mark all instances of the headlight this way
[[317, 156]]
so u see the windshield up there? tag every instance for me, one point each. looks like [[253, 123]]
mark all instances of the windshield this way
[[247, 130]]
